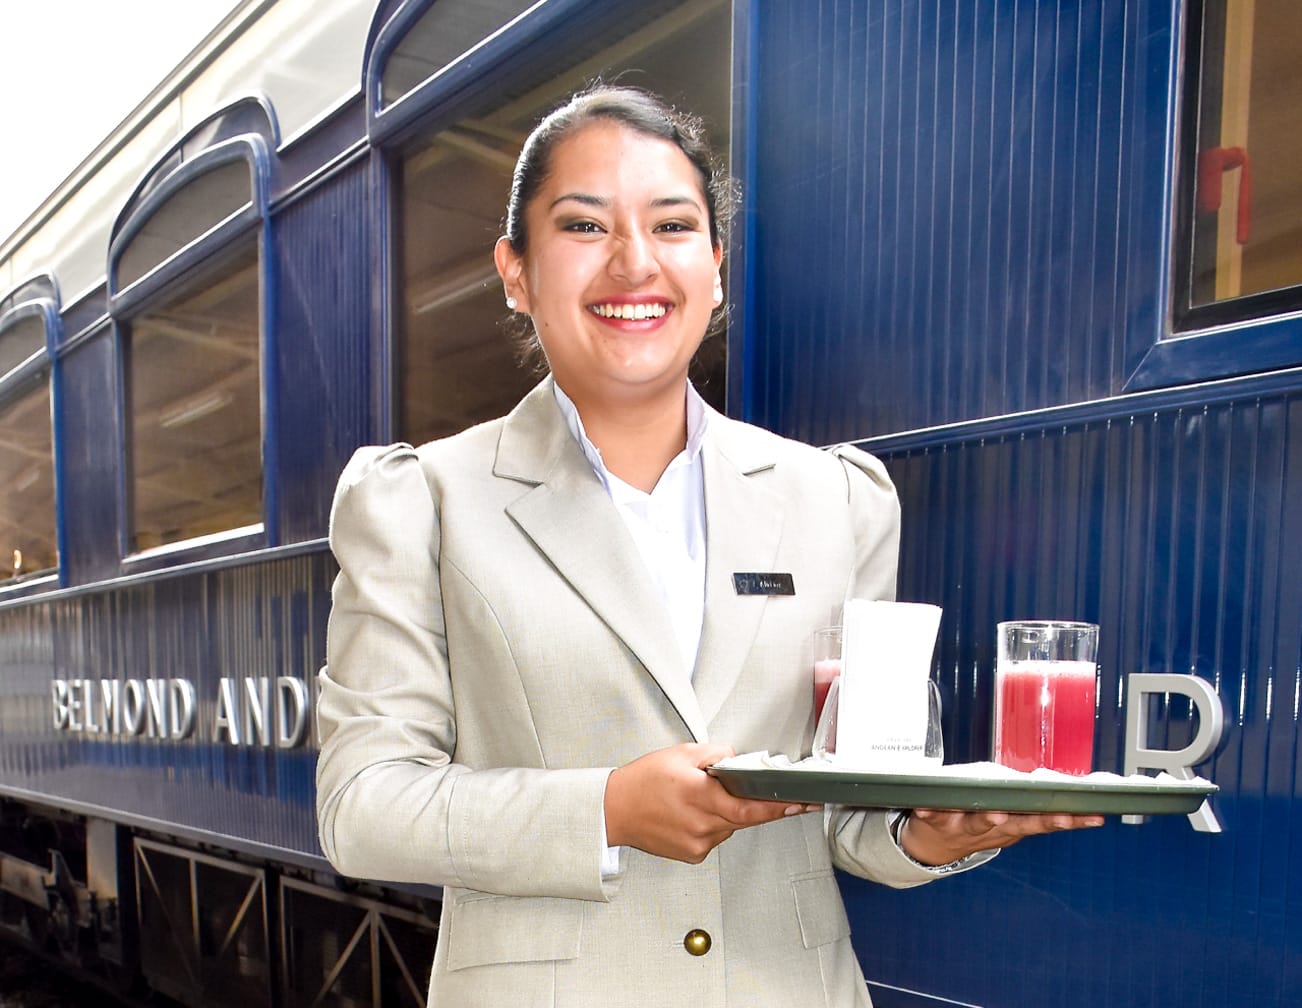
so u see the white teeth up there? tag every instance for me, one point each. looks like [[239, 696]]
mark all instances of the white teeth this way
[[631, 312]]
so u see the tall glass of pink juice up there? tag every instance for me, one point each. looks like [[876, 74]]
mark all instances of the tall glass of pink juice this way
[[1045, 691]]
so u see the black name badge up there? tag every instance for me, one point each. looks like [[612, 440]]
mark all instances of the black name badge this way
[[764, 584]]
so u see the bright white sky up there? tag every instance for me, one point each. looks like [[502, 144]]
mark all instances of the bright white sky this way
[[73, 70]]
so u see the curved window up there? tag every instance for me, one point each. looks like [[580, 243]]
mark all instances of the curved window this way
[[186, 291], [444, 32], [455, 363], [28, 527], [203, 204]]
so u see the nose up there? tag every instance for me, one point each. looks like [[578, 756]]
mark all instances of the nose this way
[[632, 260]]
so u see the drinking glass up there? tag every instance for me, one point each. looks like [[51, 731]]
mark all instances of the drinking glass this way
[[824, 746], [827, 665], [1045, 686]]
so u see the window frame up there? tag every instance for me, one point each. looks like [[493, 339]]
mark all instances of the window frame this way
[[409, 114], [178, 168], [537, 37], [1246, 335], [38, 297]]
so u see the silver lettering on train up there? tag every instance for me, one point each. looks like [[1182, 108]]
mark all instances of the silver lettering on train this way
[[1178, 763], [254, 711]]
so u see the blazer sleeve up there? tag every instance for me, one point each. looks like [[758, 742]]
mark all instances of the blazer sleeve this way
[[860, 839], [392, 803]]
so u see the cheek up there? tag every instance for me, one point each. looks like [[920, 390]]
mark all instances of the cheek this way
[[562, 278]]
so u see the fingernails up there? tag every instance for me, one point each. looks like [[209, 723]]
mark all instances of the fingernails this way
[[793, 810]]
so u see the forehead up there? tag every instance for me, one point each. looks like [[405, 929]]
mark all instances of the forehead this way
[[606, 158]]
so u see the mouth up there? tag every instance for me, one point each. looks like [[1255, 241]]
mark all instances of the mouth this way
[[630, 312]]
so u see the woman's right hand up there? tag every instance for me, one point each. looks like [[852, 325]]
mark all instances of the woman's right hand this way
[[665, 803]]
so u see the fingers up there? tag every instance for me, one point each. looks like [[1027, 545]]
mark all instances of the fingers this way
[[937, 836], [664, 803], [1020, 823], [707, 754]]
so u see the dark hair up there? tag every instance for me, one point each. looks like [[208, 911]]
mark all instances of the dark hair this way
[[639, 110]]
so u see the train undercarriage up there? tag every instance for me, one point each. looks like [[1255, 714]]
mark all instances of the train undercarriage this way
[[151, 917]]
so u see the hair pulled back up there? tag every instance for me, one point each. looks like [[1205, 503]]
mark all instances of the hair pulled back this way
[[637, 109]]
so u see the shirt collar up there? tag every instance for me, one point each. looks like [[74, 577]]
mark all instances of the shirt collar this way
[[697, 419]]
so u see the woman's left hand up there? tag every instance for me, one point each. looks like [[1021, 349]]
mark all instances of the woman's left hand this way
[[937, 837]]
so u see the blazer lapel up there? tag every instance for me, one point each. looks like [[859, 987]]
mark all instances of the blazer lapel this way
[[570, 518], [744, 522]]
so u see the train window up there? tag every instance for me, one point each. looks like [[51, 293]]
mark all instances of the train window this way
[[444, 32], [28, 543], [455, 363], [1241, 245], [194, 210], [186, 290], [24, 339], [195, 407]]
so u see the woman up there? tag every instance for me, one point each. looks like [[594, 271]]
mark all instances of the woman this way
[[537, 644]]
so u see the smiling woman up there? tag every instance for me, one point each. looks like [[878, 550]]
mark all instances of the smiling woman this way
[[540, 613]]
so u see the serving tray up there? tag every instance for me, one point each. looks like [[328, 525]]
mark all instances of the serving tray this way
[[959, 788]]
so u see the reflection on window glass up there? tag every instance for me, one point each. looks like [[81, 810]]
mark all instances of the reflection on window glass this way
[[444, 32], [1247, 233], [186, 215], [457, 364], [196, 460], [27, 538], [20, 341]]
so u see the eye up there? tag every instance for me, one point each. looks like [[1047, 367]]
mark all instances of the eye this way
[[581, 227], [676, 227]]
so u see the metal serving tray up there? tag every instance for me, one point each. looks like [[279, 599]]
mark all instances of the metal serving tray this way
[[1124, 796]]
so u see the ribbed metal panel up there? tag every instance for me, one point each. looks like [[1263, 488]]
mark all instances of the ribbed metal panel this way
[[326, 285], [960, 208], [91, 470], [1178, 532], [259, 620]]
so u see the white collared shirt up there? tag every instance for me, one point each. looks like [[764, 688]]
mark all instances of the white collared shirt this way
[[667, 524]]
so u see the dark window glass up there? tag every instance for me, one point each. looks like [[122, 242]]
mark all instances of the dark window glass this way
[[1244, 233], [195, 410], [456, 363]]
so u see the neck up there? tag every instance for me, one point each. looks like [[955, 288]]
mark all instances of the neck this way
[[637, 442]]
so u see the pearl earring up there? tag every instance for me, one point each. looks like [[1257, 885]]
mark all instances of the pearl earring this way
[[511, 303]]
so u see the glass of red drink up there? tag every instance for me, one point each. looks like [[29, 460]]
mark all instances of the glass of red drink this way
[[827, 665], [1045, 686]]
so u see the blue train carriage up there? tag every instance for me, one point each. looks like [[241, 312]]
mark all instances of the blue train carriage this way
[[981, 242]]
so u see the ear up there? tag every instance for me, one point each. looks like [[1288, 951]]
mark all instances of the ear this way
[[510, 267], [718, 277]]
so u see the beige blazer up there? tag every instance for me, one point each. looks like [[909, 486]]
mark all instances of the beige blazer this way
[[496, 647]]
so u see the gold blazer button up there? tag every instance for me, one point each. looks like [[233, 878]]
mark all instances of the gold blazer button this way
[[697, 942]]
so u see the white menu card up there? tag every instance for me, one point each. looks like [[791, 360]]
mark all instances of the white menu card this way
[[882, 711]]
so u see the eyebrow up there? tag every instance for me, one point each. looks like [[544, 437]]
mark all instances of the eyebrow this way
[[601, 203]]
